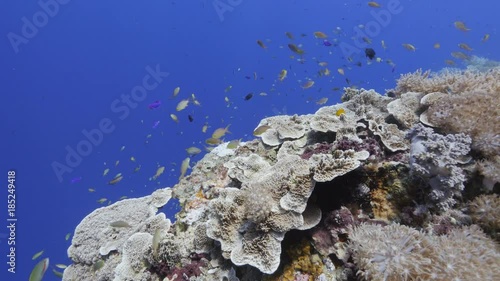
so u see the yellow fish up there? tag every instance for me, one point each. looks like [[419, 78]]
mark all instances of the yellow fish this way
[[184, 167], [322, 101], [282, 75], [308, 84], [39, 270], [295, 49], [460, 55], [325, 72], [176, 91], [37, 255], [340, 71], [464, 46], [409, 47], [261, 129], [340, 111], [106, 171], [174, 117], [449, 62], [233, 144], [486, 37], [460, 25], [182, 104], [212, 141], [193, 150], [195, 101], [159, 171], [437, 45], [319, 34], [220, 132], [116, 179], [374, 4]]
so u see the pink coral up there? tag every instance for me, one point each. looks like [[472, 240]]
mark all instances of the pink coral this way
[[319, 148]]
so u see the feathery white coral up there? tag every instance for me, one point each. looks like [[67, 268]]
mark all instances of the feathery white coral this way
[[398, 252], [485, 211], [391, 253]]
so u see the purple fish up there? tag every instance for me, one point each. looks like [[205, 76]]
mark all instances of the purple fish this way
[[155, 124], [327, 43], [75, 180], [154, 105]]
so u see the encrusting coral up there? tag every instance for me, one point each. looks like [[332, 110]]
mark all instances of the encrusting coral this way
[[382, 187]]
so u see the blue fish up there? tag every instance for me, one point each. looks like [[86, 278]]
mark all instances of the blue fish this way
[[155, 124], [327, 43], [77, 179], [154, 105]]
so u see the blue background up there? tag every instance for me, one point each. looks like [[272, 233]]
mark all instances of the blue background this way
[[64, 79]]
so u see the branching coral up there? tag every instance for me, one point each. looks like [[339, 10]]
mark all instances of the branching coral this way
[[437, 158]]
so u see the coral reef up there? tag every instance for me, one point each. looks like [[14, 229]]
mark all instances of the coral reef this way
[[394, 187]]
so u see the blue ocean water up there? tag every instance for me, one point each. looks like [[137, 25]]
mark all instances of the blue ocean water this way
[[77, 78]]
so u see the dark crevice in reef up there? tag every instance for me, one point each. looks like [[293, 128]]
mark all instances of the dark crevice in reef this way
[[319, 137], [338, 192]]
